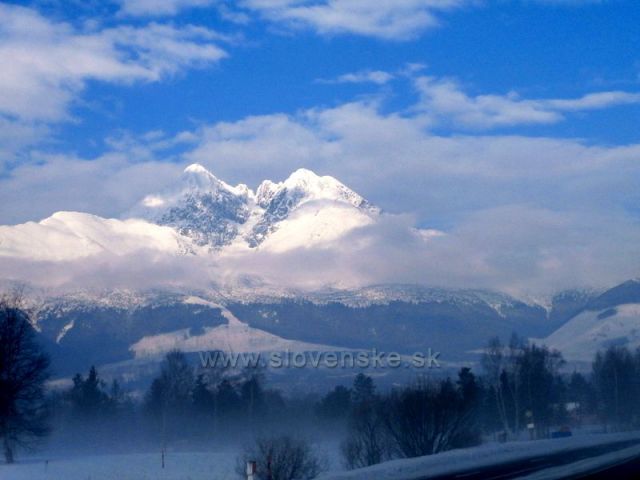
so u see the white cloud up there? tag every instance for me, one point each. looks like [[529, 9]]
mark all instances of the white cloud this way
[[444, 99], [50, 62], [15, 136], [106, 186], [160, 7], [386, 19], [378, 77], [594, 101], [440, 176], [519, 213], [518, 249]]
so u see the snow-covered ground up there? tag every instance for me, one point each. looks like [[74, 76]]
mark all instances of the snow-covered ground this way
[[220, 465], [214, 465], [135, 466]]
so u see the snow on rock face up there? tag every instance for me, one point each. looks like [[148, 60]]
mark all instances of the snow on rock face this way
[[280, 200], [307, 186], [590, 331], [215, 214], [231, 318], [203, 214], [315, 224], [74, 235], [201, 207]]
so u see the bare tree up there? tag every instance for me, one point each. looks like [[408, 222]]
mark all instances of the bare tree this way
[[23, 373], [430, 418], [281, 458], [367, 442]]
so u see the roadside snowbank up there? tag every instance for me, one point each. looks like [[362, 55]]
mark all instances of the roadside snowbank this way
[[456, 461]]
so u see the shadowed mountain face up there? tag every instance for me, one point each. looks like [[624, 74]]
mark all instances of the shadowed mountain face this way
[[627, 292], [208, 219], [404, 318], [205, 220], [83, 330]]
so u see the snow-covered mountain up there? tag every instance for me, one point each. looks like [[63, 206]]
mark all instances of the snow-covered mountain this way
[[610, 319], [201, 207], [72, 235], [215, 214], [309, 196], [239, 251], [201, 215]]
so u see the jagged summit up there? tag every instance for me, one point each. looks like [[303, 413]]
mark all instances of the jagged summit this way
[[215, 214], [307, 186], [197, 177], [197, 168], [204, 213]]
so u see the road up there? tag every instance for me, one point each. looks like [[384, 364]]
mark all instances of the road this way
[[521, 468], [629, 470]]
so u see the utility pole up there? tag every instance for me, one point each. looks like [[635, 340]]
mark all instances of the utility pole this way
[[252, 467]]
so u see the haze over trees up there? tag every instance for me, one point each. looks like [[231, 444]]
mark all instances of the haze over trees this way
[[519, 389]]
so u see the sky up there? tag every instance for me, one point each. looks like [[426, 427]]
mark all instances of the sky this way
[[511, 125]]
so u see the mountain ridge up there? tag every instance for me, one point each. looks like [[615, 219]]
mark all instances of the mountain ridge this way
[[200, 213], [215, 214]]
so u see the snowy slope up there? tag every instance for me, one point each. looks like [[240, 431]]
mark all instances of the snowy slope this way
[[203, 215], [221, 464], [235, 336], [593, 330], [74, 235], [130, 466], [279, 200], [316, 224], [609, 319]]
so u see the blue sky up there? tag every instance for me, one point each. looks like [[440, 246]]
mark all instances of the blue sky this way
[[539, 50], [510, 121]]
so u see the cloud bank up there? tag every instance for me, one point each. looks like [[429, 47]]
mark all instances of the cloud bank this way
[[520, 214]]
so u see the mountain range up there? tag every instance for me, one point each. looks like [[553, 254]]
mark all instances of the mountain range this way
[[200, 215], [206, 225]]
